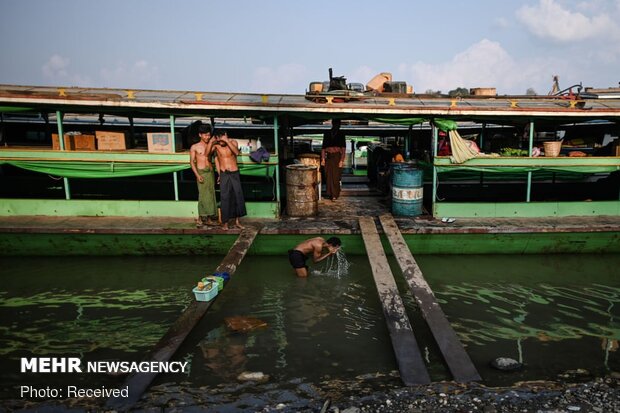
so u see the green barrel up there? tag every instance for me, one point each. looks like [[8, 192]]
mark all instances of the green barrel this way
[[407, 190]]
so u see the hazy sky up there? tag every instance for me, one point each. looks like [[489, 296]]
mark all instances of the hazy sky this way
[[280, 46]]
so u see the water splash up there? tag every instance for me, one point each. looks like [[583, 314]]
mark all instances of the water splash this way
[[335, 265]]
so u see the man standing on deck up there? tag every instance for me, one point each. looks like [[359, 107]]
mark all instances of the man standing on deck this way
[[315, 246], [332, 158], [231, 193], [200, 161]]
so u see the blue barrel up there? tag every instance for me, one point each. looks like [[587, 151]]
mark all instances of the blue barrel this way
[[407, 190]]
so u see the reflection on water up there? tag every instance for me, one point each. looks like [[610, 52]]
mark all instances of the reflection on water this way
[[113, 308], [533, 309], [56, 322], [553, 313], [590, 311]]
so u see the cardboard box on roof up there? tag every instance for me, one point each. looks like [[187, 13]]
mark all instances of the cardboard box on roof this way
[[483, 91], [162, 142], [112, 141], [80, 142], [376, 83]]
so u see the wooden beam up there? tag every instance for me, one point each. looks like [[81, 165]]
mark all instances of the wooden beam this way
[[454, 354], [137, 383], [408, 356]]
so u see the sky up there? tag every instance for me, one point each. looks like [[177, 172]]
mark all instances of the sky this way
[[280, 46]]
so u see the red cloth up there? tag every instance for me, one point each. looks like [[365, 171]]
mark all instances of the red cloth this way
[[444, 148]]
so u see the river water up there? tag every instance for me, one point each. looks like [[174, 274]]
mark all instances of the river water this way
[[552, 313]]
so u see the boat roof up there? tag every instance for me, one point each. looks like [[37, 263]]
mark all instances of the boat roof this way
[[163, 103]]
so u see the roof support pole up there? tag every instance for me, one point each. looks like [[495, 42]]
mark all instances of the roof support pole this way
[[174, 174], [529, 153], [435, 133], [408, 143], [61, 143], [277, 148]]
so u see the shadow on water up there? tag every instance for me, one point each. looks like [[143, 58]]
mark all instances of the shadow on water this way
[[553, 313]]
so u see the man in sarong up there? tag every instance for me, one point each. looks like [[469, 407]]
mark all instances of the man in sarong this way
[[200, 161], [231, 192], [332, 158]]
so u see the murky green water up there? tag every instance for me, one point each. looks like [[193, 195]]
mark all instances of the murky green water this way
[[553, 313]]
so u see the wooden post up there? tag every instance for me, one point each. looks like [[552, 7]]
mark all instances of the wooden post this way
[[408, 356], [61, 145], [529, 153], [175, 179], [454, 354], [171, 341]]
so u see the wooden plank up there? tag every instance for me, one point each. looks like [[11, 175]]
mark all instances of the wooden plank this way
[[408, 356], [137, 383], [454, 353]]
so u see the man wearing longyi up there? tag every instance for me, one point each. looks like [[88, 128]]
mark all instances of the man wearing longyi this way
[[200, 162], [231, 193]]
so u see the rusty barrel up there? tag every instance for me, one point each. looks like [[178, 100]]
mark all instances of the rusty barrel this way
[[407, 190], [311, 159], [302, 198]]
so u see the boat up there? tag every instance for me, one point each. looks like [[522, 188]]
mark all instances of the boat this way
[[159, 185]]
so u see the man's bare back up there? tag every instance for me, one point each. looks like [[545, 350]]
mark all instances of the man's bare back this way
[[313, 247], [309, 246]]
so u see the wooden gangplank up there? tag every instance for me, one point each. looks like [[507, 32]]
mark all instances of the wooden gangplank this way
[[137, 383], [408, 356], [454, 353]]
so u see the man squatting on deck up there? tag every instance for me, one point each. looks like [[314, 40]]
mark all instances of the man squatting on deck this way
[[314, 246], [200, 161], [231, 193], [332, 158]]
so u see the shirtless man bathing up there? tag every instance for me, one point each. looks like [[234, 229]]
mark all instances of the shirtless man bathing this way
[[313, 247]]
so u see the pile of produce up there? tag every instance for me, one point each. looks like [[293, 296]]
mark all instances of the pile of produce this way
[[513, 152]]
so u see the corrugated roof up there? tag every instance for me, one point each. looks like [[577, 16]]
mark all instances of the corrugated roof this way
[[188, 103]]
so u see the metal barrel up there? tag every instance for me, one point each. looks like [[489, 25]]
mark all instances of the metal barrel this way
[[302, 198], [407, 190], [311, 159]]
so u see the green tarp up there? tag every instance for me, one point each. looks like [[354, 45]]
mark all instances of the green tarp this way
[[496, 173], [80, 169], [443, 124], [14, 109]]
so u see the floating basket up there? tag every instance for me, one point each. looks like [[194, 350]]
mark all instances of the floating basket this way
[[207, 294], [552, 149], [215, 279]]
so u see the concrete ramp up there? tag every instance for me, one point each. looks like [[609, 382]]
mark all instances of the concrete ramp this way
[[408, 356], [180, 329], [453, 352]]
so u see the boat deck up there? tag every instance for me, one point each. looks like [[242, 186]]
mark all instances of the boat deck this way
[[339, 217]]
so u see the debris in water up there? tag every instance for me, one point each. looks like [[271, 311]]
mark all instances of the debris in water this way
[[506, 364], [244, 324], [257, 376]]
